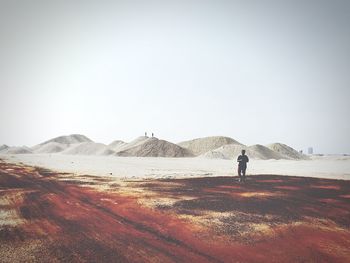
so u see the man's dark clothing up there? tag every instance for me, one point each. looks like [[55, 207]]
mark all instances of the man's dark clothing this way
[[242, 164]]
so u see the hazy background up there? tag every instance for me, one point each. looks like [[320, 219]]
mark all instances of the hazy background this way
[[258, 71]]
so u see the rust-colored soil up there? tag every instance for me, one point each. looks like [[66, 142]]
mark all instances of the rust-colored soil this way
[[56, 217]]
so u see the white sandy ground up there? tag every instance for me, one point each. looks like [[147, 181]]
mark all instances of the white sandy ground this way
[[334, 167]]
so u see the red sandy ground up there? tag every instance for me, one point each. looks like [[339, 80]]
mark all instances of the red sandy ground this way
[[268, 219]]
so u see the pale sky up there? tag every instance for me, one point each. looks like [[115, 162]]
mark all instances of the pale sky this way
[[257, 71]]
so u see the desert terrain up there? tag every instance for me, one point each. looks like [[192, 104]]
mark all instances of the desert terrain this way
[[63, 217], [153, 201]]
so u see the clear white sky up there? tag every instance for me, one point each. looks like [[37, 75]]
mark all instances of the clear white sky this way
[[258, 71]]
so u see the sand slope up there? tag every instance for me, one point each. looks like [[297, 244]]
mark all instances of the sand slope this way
[[202, 145], [262, 152], [286, 151], [231, 151], [59, 144], [153, 147], [116, 145], [138, 141], [50, 147], [16, 150], [88, 148], [69, 139]]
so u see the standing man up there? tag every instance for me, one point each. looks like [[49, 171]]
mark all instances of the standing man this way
[[242, 165]]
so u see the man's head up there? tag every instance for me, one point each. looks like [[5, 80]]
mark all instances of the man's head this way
[[243, 152]]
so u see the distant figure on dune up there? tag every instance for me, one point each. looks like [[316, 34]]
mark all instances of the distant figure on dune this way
[[242, 165], [145, 134], [152, 134]]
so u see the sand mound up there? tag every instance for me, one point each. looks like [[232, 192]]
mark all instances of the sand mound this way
[[69, 139], [138, 141], [89, 148], [209, 147], [17, 150], [116, 145], [202, 145], [3, 147], [286, 151], [50, 147], [60, 143], [262, 152], [153, 147], [231, 151]]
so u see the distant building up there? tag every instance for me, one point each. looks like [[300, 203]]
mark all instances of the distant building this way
[[310, 150]]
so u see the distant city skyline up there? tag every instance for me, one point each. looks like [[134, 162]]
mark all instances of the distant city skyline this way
[[257, 71]]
